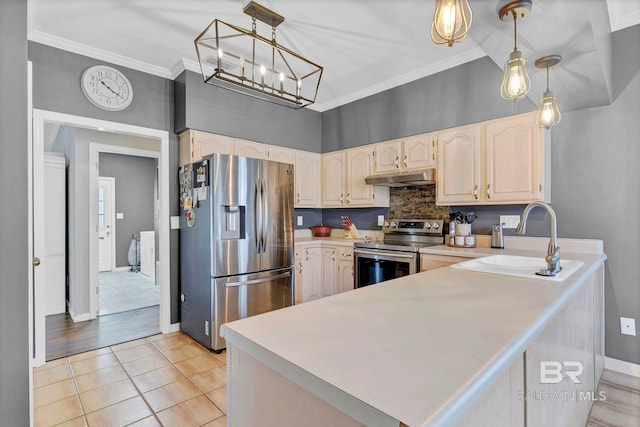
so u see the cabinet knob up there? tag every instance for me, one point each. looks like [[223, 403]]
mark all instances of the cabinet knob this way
[[35, 261]]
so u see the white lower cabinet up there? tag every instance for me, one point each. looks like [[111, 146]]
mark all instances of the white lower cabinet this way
[[433, 261], [322, 271]]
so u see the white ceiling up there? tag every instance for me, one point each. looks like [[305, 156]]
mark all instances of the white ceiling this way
[[365, 46]]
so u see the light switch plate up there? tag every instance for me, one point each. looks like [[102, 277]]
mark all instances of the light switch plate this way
[[175, 222], [628, 326], [380, 220], [119, 215], [509, 221], [300, 220]]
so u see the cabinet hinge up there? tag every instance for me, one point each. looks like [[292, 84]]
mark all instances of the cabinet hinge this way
[[374, 196], [540, 188]]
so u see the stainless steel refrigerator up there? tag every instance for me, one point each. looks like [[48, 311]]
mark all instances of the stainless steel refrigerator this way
[[236, 242]]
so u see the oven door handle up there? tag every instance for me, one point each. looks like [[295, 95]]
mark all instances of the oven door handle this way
[[386, 254]]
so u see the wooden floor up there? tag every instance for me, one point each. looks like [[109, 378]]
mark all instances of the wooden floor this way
[[620, 406], [65, 338]]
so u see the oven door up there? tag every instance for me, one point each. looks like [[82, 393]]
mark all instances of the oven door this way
[[375, 266]]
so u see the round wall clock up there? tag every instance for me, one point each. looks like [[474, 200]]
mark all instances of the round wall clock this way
[[107, 88]]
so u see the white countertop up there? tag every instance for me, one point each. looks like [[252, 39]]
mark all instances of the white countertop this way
[[419, 349]]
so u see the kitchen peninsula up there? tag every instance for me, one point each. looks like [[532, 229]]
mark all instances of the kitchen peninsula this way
[[438, 348]]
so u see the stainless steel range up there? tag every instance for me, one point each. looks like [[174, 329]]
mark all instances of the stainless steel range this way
[[397, 255]]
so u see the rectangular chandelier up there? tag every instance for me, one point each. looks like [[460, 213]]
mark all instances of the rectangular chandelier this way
[[241, 60]]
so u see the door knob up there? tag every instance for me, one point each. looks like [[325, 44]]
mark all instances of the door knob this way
[[35, 261]]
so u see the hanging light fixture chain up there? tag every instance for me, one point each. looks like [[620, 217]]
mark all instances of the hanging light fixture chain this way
[[515, 32]]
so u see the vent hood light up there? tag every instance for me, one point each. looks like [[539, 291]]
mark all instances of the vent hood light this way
[[403, 179]]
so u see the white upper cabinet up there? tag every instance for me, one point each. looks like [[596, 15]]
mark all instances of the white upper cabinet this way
[[194, 145], [413, 152], [496, 162], [459, 158], [307, 173], [255, 150], [515, 154], [282, 154], [343, 174]]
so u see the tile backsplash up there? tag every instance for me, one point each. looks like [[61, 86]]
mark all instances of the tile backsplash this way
[[415, 202]]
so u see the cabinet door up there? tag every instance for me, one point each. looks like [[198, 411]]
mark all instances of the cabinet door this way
[[207, 143], [255, 150], [298, 282], [387, 156], [346, 279], [281, 154], [312, 274], [514, 156], [333, 179], [418, 152], [307, 172], [459, 166], [431, 261], [329, 270], [359, 165]]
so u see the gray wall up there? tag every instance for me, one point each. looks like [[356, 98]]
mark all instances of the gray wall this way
[[56, 85], [466, 94], [14, 259], [212, 109], [595, 176], [135, 182], [74, 143]]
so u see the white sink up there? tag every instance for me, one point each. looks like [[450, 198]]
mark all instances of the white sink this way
[[520, 266]]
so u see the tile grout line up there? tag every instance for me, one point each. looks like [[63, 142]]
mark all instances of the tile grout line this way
[[75, 385], [136, 386], [224, 413]]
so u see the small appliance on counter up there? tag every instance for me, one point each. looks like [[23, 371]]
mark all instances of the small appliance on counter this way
[[497, 237]]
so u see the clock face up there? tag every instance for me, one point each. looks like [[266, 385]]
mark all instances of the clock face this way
[[107, 88]]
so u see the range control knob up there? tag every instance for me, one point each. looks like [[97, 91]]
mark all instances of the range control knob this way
[[427, 225], [393, 224], [386, 223], [436, 225]]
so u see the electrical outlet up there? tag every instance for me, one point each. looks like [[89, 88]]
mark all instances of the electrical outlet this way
[[299, 219], [628, 326], [380, 220], [509, 221]]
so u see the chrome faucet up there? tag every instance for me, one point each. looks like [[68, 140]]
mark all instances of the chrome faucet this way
[[553, 252]]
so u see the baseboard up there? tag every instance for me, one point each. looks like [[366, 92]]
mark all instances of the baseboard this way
[[174, 327], [127, 268], [82, 317], [622, 366]]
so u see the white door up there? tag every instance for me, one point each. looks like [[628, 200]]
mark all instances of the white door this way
[[106, 209]]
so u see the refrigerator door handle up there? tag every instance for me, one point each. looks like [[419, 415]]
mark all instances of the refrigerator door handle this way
[[265, 225], [257, 216], [257, 281]]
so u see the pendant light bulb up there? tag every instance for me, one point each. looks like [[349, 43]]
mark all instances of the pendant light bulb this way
[[515, 82], [451, 21], [548, 111]]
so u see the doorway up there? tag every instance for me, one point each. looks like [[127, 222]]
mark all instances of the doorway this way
[[40, 118]]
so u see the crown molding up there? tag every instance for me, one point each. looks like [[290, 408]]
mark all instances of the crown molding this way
[[622, 15], [437, 67], [103, 55]]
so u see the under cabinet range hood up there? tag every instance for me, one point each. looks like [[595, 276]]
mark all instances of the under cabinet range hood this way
[[403, 179]]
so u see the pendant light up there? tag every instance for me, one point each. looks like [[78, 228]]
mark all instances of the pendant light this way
[[515, 82], [548, 112], [451, 21]]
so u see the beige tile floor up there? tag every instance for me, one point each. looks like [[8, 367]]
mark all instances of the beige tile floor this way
[[165, 380]]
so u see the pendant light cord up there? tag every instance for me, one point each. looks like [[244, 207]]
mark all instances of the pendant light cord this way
[[547, 76], [515, 33]]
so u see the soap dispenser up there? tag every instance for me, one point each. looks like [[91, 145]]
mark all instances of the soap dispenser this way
[[497, 238]]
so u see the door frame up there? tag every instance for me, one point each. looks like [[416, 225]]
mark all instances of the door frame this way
[[163, 220], [112, 245], [94, 174]]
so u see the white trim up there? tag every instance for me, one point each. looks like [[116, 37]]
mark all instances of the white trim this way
[[434, 68], [30, 325], [39, 119], [618, 19], [82, 317], [174, 327], [94, 269], [122, 268], [103, 55], [622, 366]]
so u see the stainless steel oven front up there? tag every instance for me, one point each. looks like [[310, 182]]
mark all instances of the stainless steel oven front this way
[[377, 265]]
